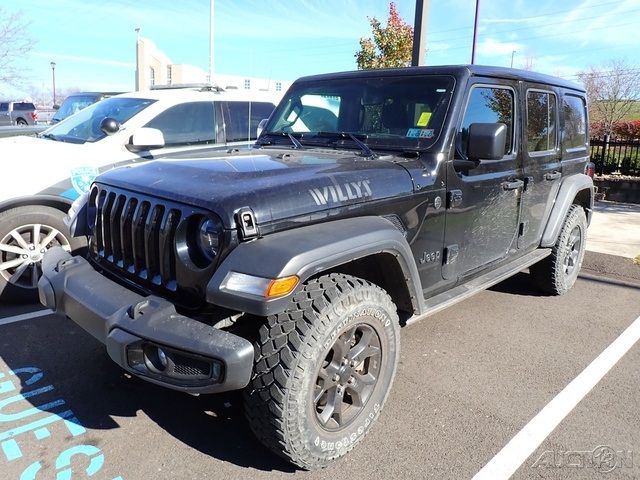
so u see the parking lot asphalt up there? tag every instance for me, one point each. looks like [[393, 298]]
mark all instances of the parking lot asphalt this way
[[470, 378]]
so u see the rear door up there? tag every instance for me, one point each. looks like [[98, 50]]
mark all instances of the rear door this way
[[5, 118], [482, 203], [541, 161]]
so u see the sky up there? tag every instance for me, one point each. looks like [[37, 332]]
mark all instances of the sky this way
[[93, 42]]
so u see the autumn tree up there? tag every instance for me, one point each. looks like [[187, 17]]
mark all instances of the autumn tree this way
[[14, 44], [612, 92], [390, 46]]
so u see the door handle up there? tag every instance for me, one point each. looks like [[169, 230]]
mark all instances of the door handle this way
[[513, 185], [552, 176]]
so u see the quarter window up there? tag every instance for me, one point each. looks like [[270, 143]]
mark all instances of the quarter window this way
[[186, 124], [541, 121], [489, 105], [574, 135]]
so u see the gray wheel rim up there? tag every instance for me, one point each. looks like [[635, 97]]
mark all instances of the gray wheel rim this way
[[22, 249], [574, 246], [347, 377]]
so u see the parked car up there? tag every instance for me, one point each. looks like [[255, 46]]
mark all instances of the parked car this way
[[43, 175], [18, 113], [76, 102], [375, 199]]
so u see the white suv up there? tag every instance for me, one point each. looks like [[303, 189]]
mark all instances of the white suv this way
[[43, 175]]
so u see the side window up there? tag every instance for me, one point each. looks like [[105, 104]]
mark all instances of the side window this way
[[186, 124], [4, 107], [243, 119], [489, 105], [541, 121], [574, 134]]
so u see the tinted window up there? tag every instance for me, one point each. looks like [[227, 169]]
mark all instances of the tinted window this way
[[243, 119], [186, 124], [574, 134], [489, 105], [541, 121], [24, 106], [4, 107]]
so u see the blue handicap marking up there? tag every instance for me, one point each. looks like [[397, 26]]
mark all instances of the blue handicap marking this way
[[63, 463], [11, 449], [11, 417]]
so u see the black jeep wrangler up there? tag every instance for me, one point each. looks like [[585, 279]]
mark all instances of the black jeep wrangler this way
[[371, 200]]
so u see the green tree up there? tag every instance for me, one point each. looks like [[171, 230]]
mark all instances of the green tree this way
[[390, 45]]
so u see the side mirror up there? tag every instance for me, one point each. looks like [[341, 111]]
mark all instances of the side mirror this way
[[261, 125], [56, 107], [146, 139], [486, 141], [109, 126]]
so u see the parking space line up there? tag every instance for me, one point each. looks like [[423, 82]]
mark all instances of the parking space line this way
[[25, 316], [527, 440]]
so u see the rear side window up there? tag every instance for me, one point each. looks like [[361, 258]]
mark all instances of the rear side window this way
[[4, 107], [243, 119], [489, 105], [541, 121], [186, 124], [24, 106], [574, 134]]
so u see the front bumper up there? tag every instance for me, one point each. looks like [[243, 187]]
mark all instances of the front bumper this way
[[145, 335]]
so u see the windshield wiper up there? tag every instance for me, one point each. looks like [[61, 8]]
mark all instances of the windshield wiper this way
[[363, 146], [49, 136], [296, 143]]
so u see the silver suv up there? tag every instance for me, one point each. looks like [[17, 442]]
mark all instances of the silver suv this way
[[18, 113]]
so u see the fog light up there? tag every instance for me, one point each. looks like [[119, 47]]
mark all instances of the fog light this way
[[155, 358], [163, 358]]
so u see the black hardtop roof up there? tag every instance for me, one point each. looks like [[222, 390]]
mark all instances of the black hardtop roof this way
[[456, 70]]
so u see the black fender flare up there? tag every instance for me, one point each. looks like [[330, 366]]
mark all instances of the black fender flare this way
[[307, 251], [569, 188], [54, 201]]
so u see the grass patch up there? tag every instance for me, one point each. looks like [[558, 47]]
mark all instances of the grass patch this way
[[637, 260]]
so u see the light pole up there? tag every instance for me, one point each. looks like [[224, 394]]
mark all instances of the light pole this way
[[53, 75], [512, 55]]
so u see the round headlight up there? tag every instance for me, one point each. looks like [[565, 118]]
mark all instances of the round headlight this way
[[210, 237]]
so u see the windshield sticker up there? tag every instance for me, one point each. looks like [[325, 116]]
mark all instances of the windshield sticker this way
[[423, 121], [420, 133]]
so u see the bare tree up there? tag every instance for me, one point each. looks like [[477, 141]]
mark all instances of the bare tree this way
[[15, 42], [529, 63], [612, 91]]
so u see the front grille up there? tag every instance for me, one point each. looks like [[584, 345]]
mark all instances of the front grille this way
[[136, 235]]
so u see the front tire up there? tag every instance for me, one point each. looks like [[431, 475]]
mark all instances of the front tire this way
[[26, 233], [323, 370], [557, 273]]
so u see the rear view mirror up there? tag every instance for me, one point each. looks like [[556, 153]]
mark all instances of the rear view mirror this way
[[486, 141], [146, 139], [261, 125]]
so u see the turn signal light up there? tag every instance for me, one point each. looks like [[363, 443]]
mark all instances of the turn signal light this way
[[281, 286]]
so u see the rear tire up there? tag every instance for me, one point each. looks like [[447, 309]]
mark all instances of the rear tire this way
[[25, 234], [21, 122], [557, 273], [323, 370]]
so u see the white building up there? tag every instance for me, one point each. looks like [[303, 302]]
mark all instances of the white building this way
[[153, 67]]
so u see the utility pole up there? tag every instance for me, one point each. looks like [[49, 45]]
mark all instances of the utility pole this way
[[137, 59], [53, 74], [512, 55], [475, 33], [420, 33], [211, 17]]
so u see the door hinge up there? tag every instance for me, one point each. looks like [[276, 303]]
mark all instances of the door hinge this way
[[454, 198], [451, 254]]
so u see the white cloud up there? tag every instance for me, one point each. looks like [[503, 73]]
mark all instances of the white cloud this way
[[81, 59], [490, 47]]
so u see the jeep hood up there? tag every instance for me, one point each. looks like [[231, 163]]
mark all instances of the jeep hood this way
[[275, 184]]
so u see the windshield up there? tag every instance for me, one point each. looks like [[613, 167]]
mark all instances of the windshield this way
[[85, 125], [73, 105], [385, 112]]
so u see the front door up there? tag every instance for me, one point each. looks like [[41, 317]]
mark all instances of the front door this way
[[483, 202], [5, 118]]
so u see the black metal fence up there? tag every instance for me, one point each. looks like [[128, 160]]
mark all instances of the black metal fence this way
[[612, 155]]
